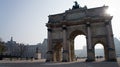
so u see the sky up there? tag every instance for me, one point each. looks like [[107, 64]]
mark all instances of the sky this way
[[25, 20]]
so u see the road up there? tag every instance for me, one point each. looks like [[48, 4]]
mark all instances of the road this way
[[62, 64]]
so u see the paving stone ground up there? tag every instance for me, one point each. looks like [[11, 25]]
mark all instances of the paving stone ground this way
[[36, 63]]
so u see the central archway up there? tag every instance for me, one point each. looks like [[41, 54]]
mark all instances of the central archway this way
[[74, 34], [80, 48], [79, 42]]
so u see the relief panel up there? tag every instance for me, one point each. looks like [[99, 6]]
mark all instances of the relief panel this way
[[98, 30], [75, 16]]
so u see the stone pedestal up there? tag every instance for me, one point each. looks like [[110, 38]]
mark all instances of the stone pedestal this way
[[90, 55], [65, 56], [38, 56], [49, 56]]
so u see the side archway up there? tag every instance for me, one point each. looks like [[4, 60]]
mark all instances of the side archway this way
[[99, 52], [58, 49], [101, 42]]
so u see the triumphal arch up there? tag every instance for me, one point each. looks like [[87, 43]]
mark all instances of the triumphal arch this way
[[94, 23]]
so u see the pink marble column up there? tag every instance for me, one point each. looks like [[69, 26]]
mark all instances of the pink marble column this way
[[65, 47], [49, 52], [89, 36], [90, 50], [64, 37], [49, 39], [110, 35]]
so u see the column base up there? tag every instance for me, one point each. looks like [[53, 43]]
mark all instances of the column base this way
[[64, 61], [65, 56], [47, 61], [112, 55], [89, 60], [112, 60], [49, 56], [90, 55]]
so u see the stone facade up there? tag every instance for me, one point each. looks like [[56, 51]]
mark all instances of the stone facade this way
[[94, 23], [26, 51], [12, 48]]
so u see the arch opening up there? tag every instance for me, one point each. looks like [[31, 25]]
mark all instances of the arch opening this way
[[99, 52], [58, 49], [78, 45], [79, 42], [80, 48]]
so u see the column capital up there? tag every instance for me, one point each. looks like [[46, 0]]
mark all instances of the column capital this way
[[49, 52], [65, 51], [111, 49], [64, 27], [49, 29], [90, 50], [107, 23], [88, 24]]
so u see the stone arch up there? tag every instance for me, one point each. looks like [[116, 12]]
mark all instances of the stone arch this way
[[57, 52], [93, 23], [74, 33], [100, 56], [103, 42], [71, 42], [101, 49]]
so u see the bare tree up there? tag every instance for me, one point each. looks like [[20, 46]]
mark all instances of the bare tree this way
[[2, 48]]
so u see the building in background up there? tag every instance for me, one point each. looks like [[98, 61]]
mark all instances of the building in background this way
[[12, 48], [31, 50], [26, 51]]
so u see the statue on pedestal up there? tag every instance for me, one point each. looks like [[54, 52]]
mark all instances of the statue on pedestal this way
[[76, 6]]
